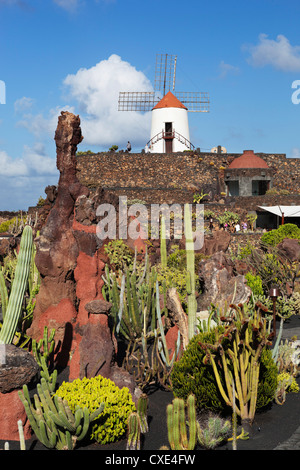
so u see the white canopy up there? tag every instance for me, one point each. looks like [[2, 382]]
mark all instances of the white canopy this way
[[286, 211]]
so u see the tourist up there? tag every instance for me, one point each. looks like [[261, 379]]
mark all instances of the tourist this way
[[128, 146], [237, 227], [211, 224]]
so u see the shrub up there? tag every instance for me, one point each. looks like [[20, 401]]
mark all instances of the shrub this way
[[190, 375], [255, 284], [267, 379], [8, 225], [274, 237], [119, 254], [111, 425]]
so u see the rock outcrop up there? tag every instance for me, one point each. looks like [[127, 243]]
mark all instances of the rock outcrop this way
[[220, 284], [71, 265], [17, 368]]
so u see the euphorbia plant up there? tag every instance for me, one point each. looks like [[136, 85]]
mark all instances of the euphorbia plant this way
[[235, 359]]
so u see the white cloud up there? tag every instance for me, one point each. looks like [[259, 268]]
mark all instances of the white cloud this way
[[34, 161], [278, 53], [12, 167], [23, 104], [40, 126], [93, 94], [96, 91], [69, 5], [38, 161], [226, 69]]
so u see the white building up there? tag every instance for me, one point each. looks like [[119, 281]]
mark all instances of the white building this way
[[169, 127]]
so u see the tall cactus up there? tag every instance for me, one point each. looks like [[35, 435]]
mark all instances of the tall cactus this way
[[3, 294], [137, 424], [190, 265], [176, 421], [18, 289], [163, 243], [52, 421]]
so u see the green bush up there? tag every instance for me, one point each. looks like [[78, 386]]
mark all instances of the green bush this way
[[255, 284], [119, 254], [8, 225], [267, 379], [191, 375], [111, 425], [274, 237]]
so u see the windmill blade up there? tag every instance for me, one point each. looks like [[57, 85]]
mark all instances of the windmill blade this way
[[137, 100], [165, 72], [197, 102]]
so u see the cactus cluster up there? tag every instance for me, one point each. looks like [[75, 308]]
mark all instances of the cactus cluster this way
[[42, 351], [179, 437], [236, 357], [185, 430], [52, 420], [137, 424]]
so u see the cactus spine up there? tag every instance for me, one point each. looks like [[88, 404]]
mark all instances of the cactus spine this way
[[18, 288], [176, 421], [52, 421]]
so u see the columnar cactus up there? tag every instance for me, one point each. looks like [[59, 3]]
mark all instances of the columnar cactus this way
[[235, 358], [176, 421], [18, 289], [137, 424], [3, 294], [190, 265]]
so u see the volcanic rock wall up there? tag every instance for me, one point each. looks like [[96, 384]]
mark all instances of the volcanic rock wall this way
[[173, 177], [71, 264]]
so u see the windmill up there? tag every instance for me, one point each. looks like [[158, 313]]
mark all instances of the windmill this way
[[169, 127]]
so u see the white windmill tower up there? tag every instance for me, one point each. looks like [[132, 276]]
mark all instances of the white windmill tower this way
[[169, 126]]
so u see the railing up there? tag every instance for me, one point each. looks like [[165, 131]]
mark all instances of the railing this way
[[170, 135]]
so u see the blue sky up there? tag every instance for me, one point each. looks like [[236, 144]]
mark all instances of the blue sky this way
[[78, 54]]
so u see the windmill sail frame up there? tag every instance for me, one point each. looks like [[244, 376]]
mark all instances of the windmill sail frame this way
[[165, 73]]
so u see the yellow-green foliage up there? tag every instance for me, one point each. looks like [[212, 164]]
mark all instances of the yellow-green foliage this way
[[7, 225], [288, 382], [111, 425]]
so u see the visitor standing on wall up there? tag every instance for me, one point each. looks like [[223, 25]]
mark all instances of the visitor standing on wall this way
[[128, 146], [211, 224]]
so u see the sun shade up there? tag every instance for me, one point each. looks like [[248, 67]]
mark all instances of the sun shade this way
[[286, 211]]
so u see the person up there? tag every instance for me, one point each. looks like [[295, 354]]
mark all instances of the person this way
[[237, 227], [211, 225], [128, 146]]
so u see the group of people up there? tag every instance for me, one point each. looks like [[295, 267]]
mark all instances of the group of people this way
[[237, 227]]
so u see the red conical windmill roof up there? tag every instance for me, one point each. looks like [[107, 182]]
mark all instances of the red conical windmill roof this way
[[169, 101]]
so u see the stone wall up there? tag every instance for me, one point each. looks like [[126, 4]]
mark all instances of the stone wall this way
[[174, 177]]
